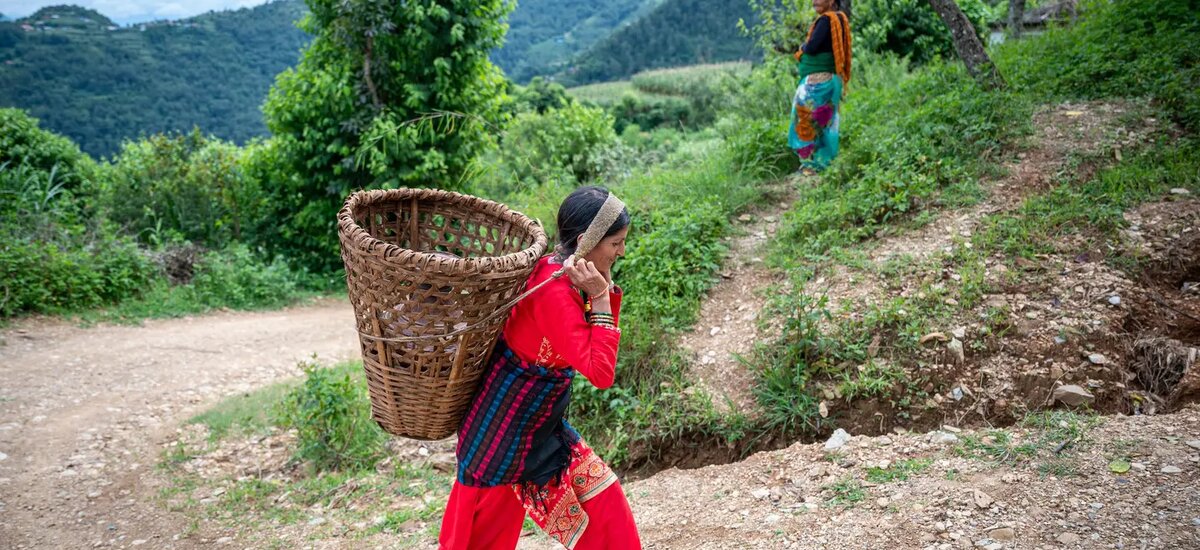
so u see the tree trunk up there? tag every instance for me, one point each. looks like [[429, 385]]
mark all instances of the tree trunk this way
[[1016, 17], [967, 44]]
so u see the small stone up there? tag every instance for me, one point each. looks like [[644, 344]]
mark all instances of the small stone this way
[[3, 457], [940, 527], [1195, 444], [823, 410], [960, 333], [139, 542], [957, 394], [942, 438], [714, 331], [1114, 300], [1068, 538], [1138, 466], [745, 218], [982, 499], [1072, 395], [1097, 359], [838, 440], [882, 502], [224, 540], [316, 521], [994, 546], [760, 494], [956, 350], [1180, 191], [1171, 470], [1060, 340], [772, 519]]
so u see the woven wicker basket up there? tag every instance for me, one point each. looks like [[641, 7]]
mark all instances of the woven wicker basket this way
[[421, 264]]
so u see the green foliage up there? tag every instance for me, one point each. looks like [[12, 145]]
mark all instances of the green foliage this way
[[676, 32], [1155, 58], [900, 471], [1097, 206], [41, 276], [537, 145], [332, 417], [339, 127], [101, 87], [188, 186], [236, 278], [249, 412], [25, 145]]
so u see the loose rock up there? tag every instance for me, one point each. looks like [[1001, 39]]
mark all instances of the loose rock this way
[[838, 440], [1073, 395]]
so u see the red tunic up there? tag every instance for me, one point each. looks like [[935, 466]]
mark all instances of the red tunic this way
[[549, 329]]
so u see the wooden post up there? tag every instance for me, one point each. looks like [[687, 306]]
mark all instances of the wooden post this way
[[967, 44]]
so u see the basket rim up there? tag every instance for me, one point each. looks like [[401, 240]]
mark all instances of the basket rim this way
[[356, 239]]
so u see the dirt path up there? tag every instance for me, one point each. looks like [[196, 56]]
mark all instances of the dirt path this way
[[728, 327], [85, 409]]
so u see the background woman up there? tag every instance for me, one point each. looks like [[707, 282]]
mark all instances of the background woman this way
[[517, 454], [824, 65]]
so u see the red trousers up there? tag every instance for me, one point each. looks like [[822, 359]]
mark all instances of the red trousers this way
[[491, 519]]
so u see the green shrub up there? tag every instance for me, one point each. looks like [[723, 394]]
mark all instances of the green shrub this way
[[1156, 56], [24, 144], [332, 417], [236, 278], [563, 139], [39, 276], [188, 185]]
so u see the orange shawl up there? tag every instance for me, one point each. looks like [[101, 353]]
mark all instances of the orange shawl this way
[[839, 35]]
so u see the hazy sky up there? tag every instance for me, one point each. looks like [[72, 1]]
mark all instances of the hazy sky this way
[[130, 11]]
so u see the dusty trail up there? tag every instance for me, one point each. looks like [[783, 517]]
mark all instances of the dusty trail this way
[[84, 411]]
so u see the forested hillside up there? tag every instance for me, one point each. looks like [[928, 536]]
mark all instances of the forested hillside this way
[[677, 32], [99, 84], [543, 35]]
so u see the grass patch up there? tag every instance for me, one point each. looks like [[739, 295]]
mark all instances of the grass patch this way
[[847, 493], [900, 471], [250, 412]]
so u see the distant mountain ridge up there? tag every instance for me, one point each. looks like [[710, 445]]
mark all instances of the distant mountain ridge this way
[[99, 84], [675, 33]]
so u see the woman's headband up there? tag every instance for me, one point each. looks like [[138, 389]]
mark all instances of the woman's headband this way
[[605, 218]]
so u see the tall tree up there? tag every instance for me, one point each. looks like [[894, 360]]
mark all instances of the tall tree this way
[[1016, 17], [344, 118], [968, 45]]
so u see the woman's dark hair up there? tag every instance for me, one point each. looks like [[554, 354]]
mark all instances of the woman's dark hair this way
[[577, 212]]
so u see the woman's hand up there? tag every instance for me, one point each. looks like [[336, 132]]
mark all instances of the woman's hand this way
[[586, 277]]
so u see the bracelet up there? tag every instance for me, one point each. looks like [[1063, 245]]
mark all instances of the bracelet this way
[[601, 293]]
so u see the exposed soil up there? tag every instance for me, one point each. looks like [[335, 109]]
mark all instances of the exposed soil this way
[[85, 410]]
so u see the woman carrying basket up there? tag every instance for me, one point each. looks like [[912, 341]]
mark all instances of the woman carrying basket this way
[[516, 453]]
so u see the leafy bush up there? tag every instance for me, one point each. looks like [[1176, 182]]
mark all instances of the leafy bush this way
[[332, 417], [1156, 56], [237, 279], [23, 144], [188, 186], [562, 143], [40, 276]]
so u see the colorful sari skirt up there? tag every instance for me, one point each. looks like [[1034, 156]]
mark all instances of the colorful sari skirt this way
[[813, 133]]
